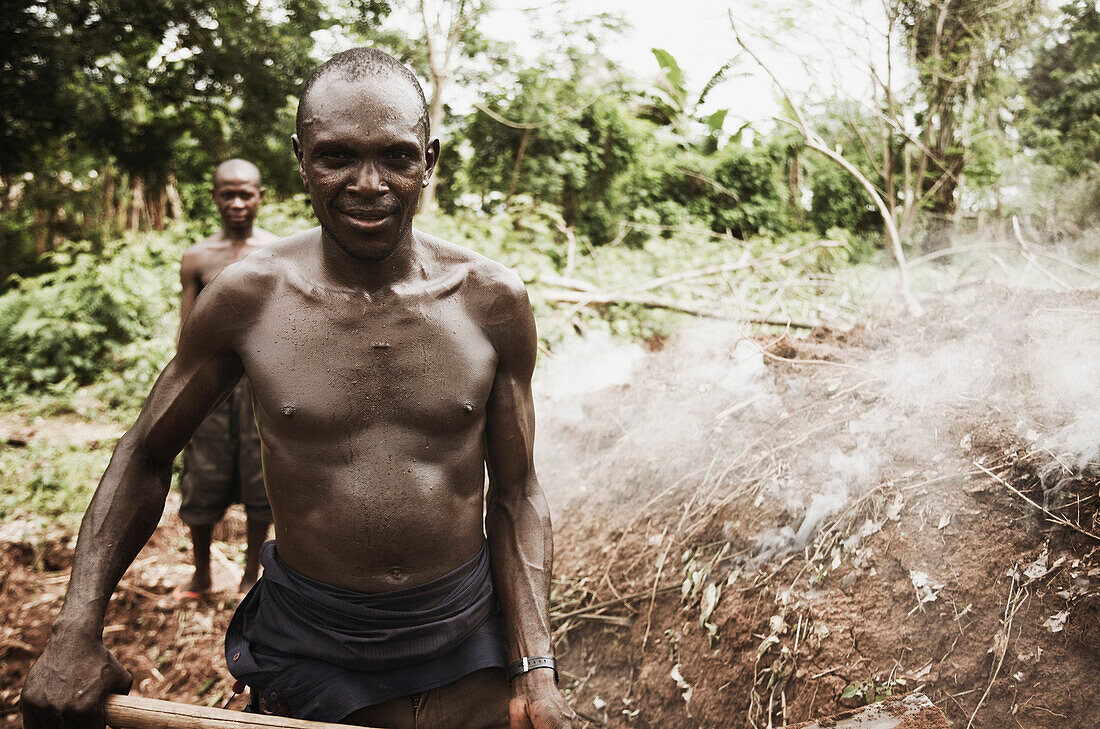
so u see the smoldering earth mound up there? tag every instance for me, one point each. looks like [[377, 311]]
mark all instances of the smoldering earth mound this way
[[759, 531], [778, 528]]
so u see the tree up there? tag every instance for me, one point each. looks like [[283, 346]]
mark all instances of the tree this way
[[543, 139], [957, 47], [125, 96], [444, 47], [1063, 87], [671, 103]]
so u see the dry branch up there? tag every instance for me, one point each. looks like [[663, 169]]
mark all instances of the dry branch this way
[[816, 143], [597, 298], [1056, 518]]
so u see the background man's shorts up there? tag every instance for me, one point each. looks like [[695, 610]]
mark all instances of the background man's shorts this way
[[221, 465]]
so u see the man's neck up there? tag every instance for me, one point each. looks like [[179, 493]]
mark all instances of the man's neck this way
[[368, 275], [237, 235]]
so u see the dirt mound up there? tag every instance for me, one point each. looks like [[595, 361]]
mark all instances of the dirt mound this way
[[906, 507]]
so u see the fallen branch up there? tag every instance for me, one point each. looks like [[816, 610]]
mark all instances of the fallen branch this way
[[1025, 251], [742, 264], [611, 603], [1056, 518], [682, 229], [596, 299]]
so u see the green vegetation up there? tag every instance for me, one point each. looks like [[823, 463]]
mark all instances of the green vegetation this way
[[624, 202], [50, 483]]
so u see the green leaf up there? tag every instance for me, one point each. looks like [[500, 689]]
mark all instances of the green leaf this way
[[717, 120], [673, 72]]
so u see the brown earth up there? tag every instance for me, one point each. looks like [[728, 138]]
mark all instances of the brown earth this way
[[833, 626], [958, 588]]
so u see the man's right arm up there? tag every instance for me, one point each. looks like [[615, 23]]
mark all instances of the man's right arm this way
[[68, 683]]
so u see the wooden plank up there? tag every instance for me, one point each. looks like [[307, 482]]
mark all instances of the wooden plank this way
[[134, 712]]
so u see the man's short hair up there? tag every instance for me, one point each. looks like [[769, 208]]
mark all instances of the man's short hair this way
[[363, 62]]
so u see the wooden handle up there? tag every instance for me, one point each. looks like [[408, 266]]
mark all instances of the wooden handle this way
[[133, 712]]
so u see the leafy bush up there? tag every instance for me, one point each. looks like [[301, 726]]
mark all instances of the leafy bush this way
[[71, 326], [840, 202], [50, 481]]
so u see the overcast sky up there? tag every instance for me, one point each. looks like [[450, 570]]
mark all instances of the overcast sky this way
[[818, 48], [813, 51]]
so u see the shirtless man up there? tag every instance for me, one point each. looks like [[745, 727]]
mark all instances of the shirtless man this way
[[222, 461], [391, 370]]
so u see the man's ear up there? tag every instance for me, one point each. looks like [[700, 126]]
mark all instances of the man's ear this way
[[431, 157], [262, 191], [299, 152]]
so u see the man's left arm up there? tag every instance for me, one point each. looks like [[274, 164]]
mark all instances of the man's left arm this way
[[517, 520]]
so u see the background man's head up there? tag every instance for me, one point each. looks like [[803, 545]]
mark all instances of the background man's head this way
[[238, 191]]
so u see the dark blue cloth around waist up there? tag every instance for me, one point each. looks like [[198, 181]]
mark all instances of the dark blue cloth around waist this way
[[326, 651]]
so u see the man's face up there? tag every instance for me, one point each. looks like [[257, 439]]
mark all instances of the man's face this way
[[238, 200], [363, 157]]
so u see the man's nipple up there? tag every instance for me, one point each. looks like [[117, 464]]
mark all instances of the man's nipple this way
[[288, 410]]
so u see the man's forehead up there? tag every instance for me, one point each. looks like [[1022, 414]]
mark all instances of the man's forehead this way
[[236, 181], [380, 100]]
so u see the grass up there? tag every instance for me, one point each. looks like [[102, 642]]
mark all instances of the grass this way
[[49, 483]]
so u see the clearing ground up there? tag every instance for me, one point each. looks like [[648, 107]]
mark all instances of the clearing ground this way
[[754, 532]]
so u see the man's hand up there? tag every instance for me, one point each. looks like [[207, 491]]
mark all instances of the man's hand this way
[[537, 704], [66, 686]]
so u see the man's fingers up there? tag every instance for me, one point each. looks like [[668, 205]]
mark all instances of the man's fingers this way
[[124, 682], [91, 718], [51, 718]]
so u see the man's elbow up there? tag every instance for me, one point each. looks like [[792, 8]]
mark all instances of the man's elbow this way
[[519, 496], [152, 461]]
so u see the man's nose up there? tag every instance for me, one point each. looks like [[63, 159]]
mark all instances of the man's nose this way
[[368, 180], [236, 202]]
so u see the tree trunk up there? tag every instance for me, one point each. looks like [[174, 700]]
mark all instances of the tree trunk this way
[[516, 167], [175, 202], [435, 118], [138, 212], [794, 178]]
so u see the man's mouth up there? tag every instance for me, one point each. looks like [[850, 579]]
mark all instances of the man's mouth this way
[[362, 214], [367, 219]]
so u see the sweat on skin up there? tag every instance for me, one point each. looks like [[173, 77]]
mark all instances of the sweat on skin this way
[[374, 456]]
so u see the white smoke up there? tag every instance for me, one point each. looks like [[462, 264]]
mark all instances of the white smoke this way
[[707, 416]]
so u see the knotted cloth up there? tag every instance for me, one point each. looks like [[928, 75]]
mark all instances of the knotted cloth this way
[[326, 651]]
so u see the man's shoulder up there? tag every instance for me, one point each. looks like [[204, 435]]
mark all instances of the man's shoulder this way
[[197, 253], [263, 237], [481, 272], [259, 274]]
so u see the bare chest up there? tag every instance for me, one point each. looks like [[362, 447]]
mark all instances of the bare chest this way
[[327, 367]]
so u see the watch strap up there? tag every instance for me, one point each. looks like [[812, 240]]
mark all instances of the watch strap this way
[[530, 663]]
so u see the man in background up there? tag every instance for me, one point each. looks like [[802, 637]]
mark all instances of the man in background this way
[[222, 462]]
